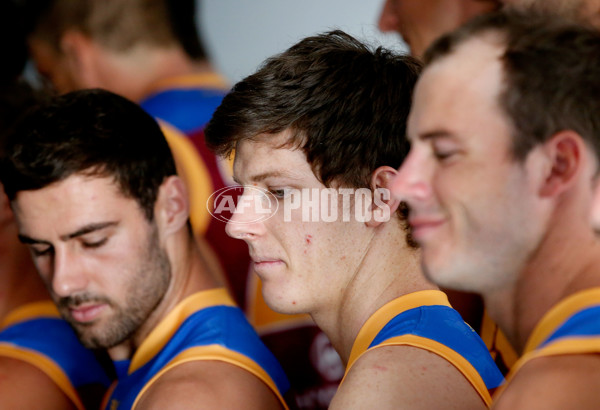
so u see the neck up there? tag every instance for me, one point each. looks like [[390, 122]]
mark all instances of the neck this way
[[189, 274], [389, 269], [564, 263], [134, 74]]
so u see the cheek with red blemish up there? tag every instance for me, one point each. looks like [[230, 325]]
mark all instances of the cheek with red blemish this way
[[308, 240]]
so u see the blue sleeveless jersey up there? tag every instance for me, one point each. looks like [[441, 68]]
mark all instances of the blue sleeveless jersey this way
[[425, 320], [187, 103], [205, 326], [582, 326], [570, 327], [36, 334]]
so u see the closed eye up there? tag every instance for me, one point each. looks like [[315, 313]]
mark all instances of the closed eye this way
[[38, 251], [94, 244]]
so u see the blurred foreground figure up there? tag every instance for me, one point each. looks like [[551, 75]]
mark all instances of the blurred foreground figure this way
[[500, 182]]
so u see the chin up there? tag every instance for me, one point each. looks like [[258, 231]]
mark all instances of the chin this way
[[281, 303]]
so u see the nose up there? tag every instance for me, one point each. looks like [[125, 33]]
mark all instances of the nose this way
[[412, 182], [247, 222], [68, 276]]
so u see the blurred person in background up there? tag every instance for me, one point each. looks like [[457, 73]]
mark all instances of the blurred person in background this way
[[586, 11], [421, 22], [42, 363]]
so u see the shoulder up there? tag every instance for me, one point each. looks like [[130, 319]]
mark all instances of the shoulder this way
[[208, 384], [405, 377], [565, 381], [20, 379]]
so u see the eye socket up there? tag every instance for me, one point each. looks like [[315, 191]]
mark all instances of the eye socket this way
[[280, 193], [94, 244], [37, 252], [444, 149]]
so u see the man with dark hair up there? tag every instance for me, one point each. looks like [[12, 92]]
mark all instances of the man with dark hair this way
[[320, 128], [38, 350], [149, 52], [500, 179], [95, 193]]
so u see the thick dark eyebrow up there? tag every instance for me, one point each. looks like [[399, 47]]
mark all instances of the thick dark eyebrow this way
[[265, 175], [82, 231], [30, 241]]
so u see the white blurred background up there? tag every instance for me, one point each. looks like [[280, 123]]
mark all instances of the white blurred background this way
[[240, 34]]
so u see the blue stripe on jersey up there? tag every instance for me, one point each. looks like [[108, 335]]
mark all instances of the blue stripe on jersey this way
[[54, 338], [188, 109], [584, 323], [216, 325], [444, 325]]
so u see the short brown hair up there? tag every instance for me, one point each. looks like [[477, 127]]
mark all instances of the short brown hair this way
[[345, 104], [551, 74], [116, 24]]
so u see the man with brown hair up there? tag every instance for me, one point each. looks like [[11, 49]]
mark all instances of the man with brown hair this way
[[319, 129], [500, 181], [147, 51]]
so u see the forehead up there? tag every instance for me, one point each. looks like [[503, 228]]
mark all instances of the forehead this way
[[459, 88], [70, 203], [269, 155]]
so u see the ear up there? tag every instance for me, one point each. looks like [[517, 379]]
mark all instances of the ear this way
[[172, 206], [80, 53], [383, 205], [564, 153]]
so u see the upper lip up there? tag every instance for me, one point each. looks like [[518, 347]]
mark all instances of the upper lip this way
[[259, 260], [418, 222], [85, 305]]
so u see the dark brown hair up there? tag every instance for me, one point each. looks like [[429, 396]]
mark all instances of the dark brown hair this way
[[92, 132], [345, 104]]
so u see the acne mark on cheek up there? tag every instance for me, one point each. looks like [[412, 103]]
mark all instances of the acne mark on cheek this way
[[293, 302], [343, 257], [308, 239]]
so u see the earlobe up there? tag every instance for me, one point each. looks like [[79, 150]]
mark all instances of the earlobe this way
[[564, 151], [172, 205], [383, 205]]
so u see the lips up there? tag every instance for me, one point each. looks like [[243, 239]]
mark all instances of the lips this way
[[263, 264], [87, 313], [422, 228]]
